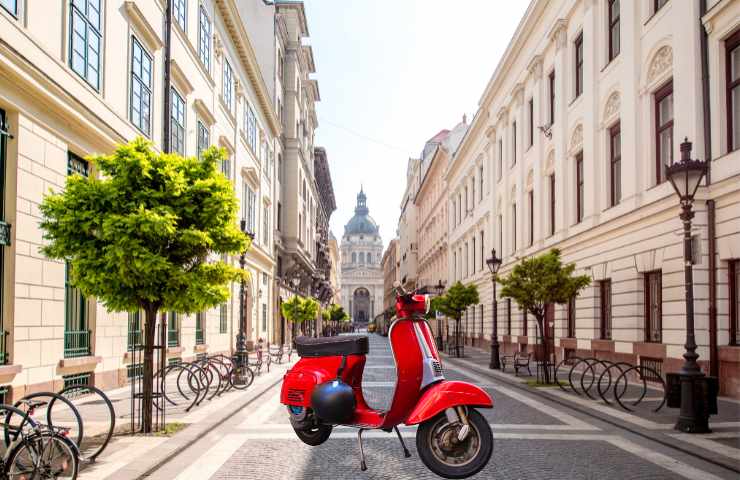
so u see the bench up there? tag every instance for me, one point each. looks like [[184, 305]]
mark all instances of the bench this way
[[518, 360]]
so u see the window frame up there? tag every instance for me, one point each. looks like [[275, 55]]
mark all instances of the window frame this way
[[500, 165], [571, 317], [98, 31], [180, 13], [530, 105], [508, 316], [480, 181], [615, 165], [204, 38], [203, 138], [551, 179], [580, 187], [513, 143], [650, 322], [578, 64], [614, 23], [658, 4], [134, 78], [731, 43], [227, 85], [175, 126], [661, 94], [551, 86], [14, 13], [513, 230], [605, 309], [733, 282], [530, 201]]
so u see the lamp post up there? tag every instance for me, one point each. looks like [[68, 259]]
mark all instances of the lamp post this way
[[241, 337], [493, 265], [439, 288], [685, 177]]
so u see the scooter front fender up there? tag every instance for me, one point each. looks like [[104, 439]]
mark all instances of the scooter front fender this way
[[446, 394]]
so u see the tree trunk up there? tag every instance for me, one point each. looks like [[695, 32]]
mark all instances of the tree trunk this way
[[542, 340], [147, 404]]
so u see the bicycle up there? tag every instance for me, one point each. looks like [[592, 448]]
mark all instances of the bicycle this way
[[37, 451]]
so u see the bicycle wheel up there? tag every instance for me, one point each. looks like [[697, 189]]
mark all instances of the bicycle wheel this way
[[241, 377], [45, 455], [65, 414], [99, 411]]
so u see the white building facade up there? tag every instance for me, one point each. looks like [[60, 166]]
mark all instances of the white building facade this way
[[589, 102]]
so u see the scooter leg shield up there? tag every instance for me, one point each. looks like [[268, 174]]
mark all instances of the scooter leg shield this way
[[444, 395]]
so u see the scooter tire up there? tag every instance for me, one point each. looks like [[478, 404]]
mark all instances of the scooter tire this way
[[432, 460], [314, 436]]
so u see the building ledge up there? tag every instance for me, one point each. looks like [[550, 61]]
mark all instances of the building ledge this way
[[86, 361], [651, 350], [174, 351], [8, 372], [569, 343], [729, 353], [522, 339], [201, 348], [602, 345]]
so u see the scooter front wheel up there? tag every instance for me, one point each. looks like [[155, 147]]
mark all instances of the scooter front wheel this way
[[442, 451], [314, 436]]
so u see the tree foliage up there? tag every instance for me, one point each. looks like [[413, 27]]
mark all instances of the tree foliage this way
[[144, 233], [298, 309], [456, 300], [335, 313], [537, 281], [147, 234]]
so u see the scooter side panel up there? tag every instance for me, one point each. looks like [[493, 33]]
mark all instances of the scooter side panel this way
[[447, 394], [300, 381]]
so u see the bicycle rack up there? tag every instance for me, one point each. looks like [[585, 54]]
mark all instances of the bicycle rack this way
[[599, 373]]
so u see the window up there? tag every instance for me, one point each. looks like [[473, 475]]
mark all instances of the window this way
[[732, 46], [653, 307], [499, 170], [85, 34], [459, 208], [615, 165], [531, 121], [467, 258], [354, 257], [579, 187], [571, 317], [250, 200], [141, 87], [204, 38], [605, 303], [76, 333], [480, 333], [552, 204], [613, 29], [134, 330], [508, 316], [734, 286], [513, 143], [177, 123], [579, 64], [482, 251], [204, 138], [11, 6], [551, 84], [513, 228], [200, 320], [467, 207], [179, 12], [250, 125], [223, 317], [454, 265], [658, 4], [173, 329], [663, 130], [266, 224], [264, 317], [530, 197], [228, 86], [475, 254], [472, 192], [480, 186]]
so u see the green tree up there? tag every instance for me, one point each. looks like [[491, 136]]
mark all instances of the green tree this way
[[147, 235], [334, 314], [298, 310], [538, 281], [454, 302]]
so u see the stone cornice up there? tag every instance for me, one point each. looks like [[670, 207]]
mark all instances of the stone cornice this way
[[558, 33], [147, 33], [179, 78], [204, 112], [535, 67]]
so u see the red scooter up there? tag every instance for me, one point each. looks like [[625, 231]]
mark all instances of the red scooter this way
[[325, 389]]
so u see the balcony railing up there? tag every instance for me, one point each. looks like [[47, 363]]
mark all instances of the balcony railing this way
[[173, 337], [77, 343], [199, 339], [3, 347]]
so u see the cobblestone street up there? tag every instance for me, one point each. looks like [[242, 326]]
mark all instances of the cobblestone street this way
[[534, 438]]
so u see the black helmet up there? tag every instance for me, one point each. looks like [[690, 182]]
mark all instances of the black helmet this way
[[333, 402]]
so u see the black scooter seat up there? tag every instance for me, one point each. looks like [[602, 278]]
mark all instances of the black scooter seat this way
[[332, 346]]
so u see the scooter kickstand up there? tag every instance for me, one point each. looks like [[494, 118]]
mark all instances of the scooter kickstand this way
[[406, 452], [363, 465]]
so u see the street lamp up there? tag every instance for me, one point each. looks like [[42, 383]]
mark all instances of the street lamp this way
[[494, 263], [440, 287], [241, 338], [685, 176]]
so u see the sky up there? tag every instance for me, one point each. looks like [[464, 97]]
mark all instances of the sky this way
[[391, 74]]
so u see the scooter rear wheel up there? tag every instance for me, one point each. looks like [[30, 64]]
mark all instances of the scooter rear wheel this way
[[314, 436], [441, 451]]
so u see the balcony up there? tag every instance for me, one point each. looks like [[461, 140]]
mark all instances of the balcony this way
[[76, 343]]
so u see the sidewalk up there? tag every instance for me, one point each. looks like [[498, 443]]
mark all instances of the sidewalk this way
[[132, 456], [722, 446]]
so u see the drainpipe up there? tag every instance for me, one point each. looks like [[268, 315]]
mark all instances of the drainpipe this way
[[166, 147], [711, 218]]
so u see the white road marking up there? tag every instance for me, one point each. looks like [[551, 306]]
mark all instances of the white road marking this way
[[216, 455], [384, 367], [574, 422], [285, 427], [705, 441]]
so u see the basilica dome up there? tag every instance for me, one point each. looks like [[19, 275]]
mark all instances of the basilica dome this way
[[362, 223]]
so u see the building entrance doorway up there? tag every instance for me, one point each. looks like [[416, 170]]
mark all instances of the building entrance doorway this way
[[361, 305]]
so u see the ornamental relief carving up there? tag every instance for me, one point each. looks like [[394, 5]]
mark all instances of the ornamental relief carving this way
[[662, 61], [576, 139], [612, 106]]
